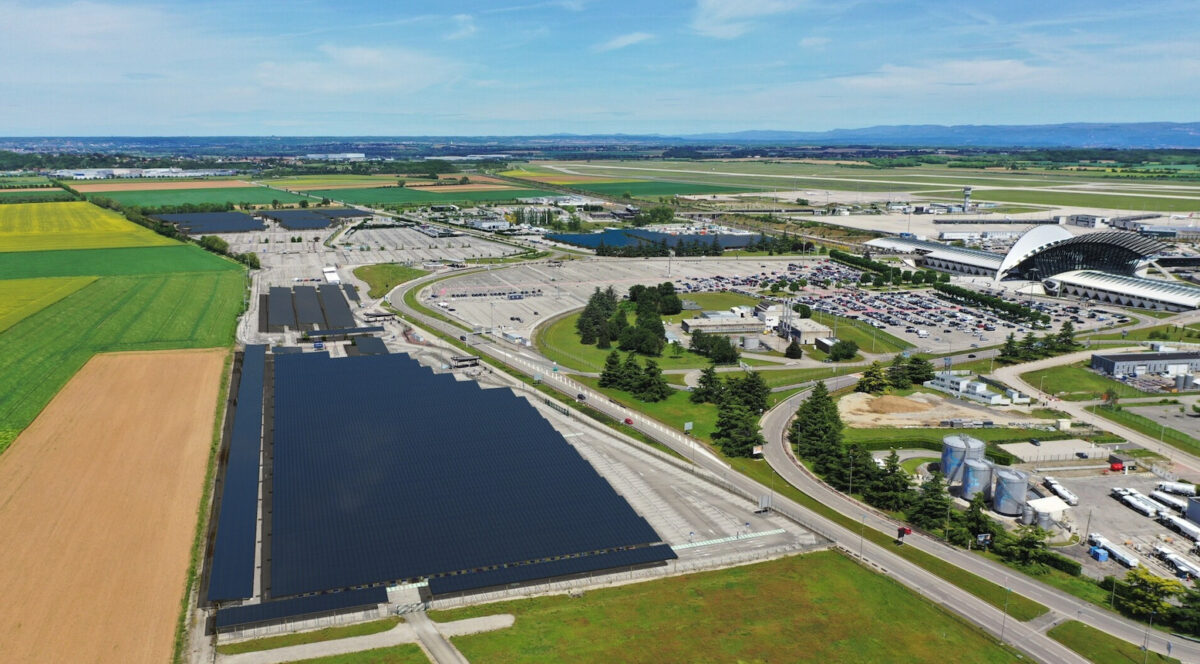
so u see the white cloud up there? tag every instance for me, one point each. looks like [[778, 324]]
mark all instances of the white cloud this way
[[622, 41], [937, 77], [464, 27], [814, 42], [727, 19], [357, 69]]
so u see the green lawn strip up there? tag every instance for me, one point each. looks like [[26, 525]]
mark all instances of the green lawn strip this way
[[672, 411], [868, 338], [1074, 382], [910, 465], [170, 197], [719, 301], [1148, 427], [1100, 647], [1168, 332], [404, 195], [112, 262], [300, 638], [405, 653], [813, 607], [797, 376], [386, 276], [202, 513], [1019, 607]]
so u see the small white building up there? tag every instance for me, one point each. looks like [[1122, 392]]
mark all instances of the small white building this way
[[803, 330], [489, 224], [965, 386]]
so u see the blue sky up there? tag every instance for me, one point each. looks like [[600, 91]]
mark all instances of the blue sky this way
[[318, 67]]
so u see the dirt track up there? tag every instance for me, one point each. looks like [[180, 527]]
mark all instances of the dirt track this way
[[98, 503], [158, 186]]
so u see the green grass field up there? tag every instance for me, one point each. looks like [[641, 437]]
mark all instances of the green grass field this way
[[407, 653], [315, 636], [1102, 648], [17, 181], [1109, 201], [815, 607], [41, 352], [1189, 333], [386, 276], [868, 338], [710, 302], [20, 298], [235, 195], [673, 411], [112, 262], [319, 181], [1074, 382], [43, 196], [402, 195], [655, 188], [26, 227]]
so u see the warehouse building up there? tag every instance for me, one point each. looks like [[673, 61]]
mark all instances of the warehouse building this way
[[1125, 290], [804, 330], [722, 325], [1137, 364]]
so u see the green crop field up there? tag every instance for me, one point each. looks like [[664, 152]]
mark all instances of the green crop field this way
[[319, 181], [112, 262], [41, 352], [26, 227], [48, 195], [1107, 201], [23, 181], [385, 195], [1102, 648], [654, 188], [235, 195], [20, 298], [815, 607]]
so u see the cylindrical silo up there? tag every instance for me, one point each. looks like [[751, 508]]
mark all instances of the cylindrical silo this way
[[977, 477], [1044, 520], [975, 448], [1026, 515], [1011, 487], [954, 453]]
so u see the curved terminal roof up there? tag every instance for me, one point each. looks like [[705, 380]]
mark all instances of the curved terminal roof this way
[[1169, 292], [982, 259], [1052, 249], [1033, 241]]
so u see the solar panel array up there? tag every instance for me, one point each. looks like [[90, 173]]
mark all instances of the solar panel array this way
[[389, 472], [553, 568], [231, 575], [347, 332], [351, 292], [367, 346], [337, 310], [199, 223], [307, 308], [298, 220], [279, 308], [251, 614]]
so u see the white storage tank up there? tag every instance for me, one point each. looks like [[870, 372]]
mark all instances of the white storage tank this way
[[1011, 489], [954, 454], [977, 477]]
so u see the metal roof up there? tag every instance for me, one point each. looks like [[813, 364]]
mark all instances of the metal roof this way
[[1033, 241], [1043, 238], [1172, 292], [1160, 357], [975, 257]]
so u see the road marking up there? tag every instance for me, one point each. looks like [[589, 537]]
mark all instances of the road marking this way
[[733, 538]]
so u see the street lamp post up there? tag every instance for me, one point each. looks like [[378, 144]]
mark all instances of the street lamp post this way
[[1004, 621], [862, 529], [1146, 644]]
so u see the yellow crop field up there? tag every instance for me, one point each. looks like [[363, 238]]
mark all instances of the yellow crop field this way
[[21, 297], [73, 225]]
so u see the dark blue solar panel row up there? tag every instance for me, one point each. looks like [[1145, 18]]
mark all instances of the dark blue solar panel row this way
[[337, 310], [298, 219], [232, 573], [340, 213], [617, 237], [391, 472], [279, 308], [351, 292], [549, 569], [197, 223], [241, 616], [346, 331], [286, 350], [369, 346], [308, 306]]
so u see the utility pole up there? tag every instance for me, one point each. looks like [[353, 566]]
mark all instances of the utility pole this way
[[1004, 622]]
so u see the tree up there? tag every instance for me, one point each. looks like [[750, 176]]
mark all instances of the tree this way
[[1111, 397], [897, 374], [803, 310], [710, 388], [670, 304], [722, 351], [873, 380], [603, 341], [817, 430], [891, 489], [1027, 549], [1009, 352], [1066, 337], [737, 430], [631, 373], [651, 385], [932, 505], [855, 470], [750, 390], [976, 519], [878, 281], [612, 375], [1147, 594], [1186, 616], [843, 350], [303, 202], [919, 370], [793, 351]]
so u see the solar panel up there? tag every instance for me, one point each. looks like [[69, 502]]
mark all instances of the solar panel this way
[[308, 307], [280, 308], [199, 223], [251, 614], [552, 568], [340, 213], [231, 575], [351, 292], [368, 346], [390, 472], [350, 331], [337, 310], [298, 219]]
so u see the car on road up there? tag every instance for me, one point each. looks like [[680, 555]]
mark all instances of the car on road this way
[[971, 356], [1035, 442], [581, 396], [628, 420]]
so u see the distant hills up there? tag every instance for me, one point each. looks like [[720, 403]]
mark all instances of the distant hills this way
[[1069, 135]]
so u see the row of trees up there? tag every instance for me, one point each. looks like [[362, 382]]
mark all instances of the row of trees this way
[[209, 242], [645, 383], [1013, 311], [660, 249], [902, 374], [604, 319], [739, 401], [898, 277], [1031, 347]]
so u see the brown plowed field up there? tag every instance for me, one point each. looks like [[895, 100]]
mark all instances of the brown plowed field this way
[[158, 186], [98, 505]]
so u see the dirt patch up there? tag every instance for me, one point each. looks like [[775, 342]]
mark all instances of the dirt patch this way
[[920, 409], [98, 501], [158, 186]]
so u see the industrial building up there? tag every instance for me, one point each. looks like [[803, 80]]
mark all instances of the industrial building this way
[[1123, 290], [722, 325], [965, 385], [1136, 364], [804, 330]]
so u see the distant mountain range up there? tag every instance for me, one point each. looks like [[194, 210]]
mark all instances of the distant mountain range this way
[[1072, 135]]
